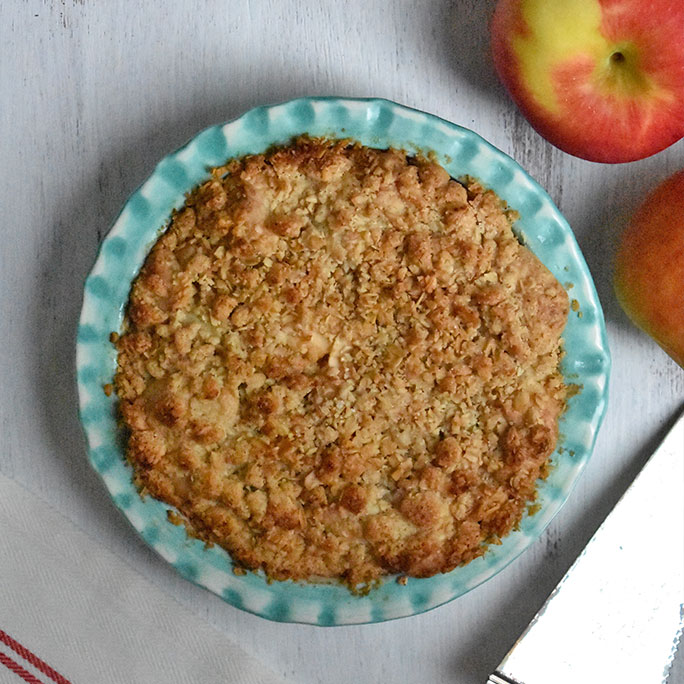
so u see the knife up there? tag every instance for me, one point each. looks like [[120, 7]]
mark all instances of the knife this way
[[616, 616]]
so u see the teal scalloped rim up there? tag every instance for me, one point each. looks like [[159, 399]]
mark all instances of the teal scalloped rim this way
[[376, 123]]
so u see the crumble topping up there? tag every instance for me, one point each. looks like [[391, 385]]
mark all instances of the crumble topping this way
[[338, 362]]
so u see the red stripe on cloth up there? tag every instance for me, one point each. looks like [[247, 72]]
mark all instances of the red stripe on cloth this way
[[18, 669], [33, 659]]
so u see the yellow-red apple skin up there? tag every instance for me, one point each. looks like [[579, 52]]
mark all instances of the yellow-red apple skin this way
[[649, 267], [600, 124]]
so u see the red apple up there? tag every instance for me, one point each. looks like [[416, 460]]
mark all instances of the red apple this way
[[649, 267], [600, 79]]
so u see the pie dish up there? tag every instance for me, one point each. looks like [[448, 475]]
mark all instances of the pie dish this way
[[377, 124]]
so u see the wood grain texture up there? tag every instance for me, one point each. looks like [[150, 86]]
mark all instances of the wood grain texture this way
[[94, 93]]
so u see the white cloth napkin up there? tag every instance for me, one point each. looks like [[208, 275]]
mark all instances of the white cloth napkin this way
[[71, 612]]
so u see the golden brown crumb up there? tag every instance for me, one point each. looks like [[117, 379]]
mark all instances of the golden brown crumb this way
[[108, 389], [402, 580], [113, 337], [533, 508], [339, 362], [173, 517]]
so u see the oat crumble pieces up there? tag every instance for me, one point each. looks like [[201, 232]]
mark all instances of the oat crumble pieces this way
[[338, 362]]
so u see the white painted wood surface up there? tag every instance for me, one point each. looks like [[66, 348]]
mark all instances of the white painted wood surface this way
[[92, 94]]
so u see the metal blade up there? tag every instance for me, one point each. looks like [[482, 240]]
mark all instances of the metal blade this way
[[616, 616]]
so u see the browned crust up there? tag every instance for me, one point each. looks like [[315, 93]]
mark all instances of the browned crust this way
[[339, 362]]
